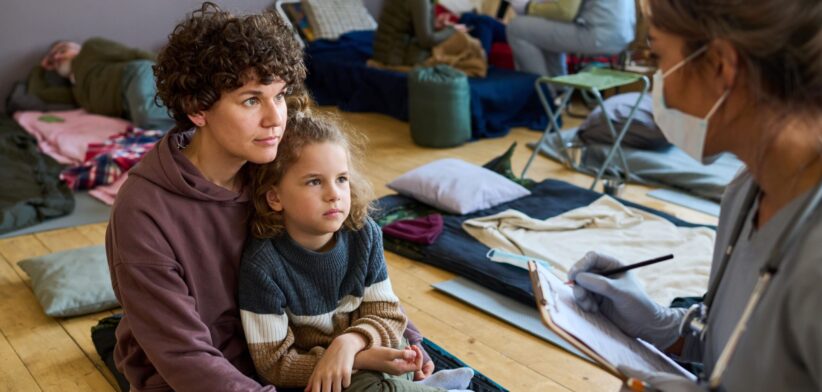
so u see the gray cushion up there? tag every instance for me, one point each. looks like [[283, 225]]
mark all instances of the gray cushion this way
[[643, 134], [72, 282]]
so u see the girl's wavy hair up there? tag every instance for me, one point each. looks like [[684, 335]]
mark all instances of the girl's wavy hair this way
[[213, 51], [305, 128]]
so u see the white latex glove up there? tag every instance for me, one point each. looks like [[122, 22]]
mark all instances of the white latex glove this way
[[622, 300], [661, 382], [519, 5]]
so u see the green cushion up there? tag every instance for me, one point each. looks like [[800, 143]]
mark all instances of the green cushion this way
[[439, 106], [72, 282]]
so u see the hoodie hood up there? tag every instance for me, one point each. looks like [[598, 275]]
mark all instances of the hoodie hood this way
[[167, 167]]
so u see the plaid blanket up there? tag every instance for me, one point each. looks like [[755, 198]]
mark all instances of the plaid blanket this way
[[105, 162]]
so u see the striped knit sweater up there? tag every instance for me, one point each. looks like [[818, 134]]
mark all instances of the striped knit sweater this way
[[294, 302]]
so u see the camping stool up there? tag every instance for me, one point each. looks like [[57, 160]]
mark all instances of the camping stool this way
[[439, 106], [591, 81]]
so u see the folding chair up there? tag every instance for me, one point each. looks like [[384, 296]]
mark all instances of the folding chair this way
[[592, 81]]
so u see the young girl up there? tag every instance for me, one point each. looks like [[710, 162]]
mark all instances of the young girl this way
[[315, 298]]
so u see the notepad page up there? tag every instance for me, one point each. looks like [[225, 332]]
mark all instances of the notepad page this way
[[599, 333]]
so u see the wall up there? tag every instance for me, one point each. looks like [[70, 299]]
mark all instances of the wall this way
[[28, 27]]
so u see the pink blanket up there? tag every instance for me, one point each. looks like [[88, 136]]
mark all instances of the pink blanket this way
[[65, 136], [107, 193]]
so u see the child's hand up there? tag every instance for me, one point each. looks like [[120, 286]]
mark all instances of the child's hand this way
[[427, 369], [390, 360], [333, 371]]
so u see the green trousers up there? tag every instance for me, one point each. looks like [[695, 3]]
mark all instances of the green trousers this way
[[370, 381]]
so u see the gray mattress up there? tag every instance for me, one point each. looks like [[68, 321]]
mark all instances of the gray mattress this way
[[668, 167]]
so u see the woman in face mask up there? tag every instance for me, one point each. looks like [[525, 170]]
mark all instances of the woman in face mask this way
[[739, 76]]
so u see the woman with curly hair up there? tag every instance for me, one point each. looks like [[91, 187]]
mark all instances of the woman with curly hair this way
[[178, 226]]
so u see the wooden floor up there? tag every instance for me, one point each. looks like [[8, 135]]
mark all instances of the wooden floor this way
[[39, 353]]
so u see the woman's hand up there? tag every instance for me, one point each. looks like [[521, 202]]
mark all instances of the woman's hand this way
[[333, 371], [390, 360], [622, 300]]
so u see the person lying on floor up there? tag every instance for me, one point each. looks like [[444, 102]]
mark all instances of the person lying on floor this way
[[106, 78]]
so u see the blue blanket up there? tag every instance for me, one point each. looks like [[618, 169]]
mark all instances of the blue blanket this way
[[338, 75]]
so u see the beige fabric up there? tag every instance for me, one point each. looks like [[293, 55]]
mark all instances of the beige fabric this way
[[462, 52], [608, 227]]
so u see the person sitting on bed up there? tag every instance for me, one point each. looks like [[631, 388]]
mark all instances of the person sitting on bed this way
[[315, 298], [406, 32], [543, 32], [107, 78]]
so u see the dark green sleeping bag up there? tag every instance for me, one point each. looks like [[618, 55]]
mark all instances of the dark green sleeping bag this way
[[439, 106]]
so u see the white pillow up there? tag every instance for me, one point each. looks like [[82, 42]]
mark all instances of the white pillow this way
[[329, 19], [456, 186]]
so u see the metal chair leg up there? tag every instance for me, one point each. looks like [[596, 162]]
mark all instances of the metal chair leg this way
[[553, 123], [617, 147]]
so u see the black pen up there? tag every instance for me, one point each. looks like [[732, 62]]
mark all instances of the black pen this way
[[629, 267]]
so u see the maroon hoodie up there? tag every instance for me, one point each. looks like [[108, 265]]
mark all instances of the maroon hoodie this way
[[174, 243]]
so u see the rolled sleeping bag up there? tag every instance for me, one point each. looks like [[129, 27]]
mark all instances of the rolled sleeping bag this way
[[439, 100]]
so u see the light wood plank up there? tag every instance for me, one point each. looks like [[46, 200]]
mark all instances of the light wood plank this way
[[13, 373], [96, 233], [47, 351], [18, 248], [502, 369], [63, 239], [79, 329]]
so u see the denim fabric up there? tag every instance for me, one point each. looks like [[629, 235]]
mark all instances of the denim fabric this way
[[602, 27]]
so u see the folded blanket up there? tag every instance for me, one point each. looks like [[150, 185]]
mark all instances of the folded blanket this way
[[607, 226]]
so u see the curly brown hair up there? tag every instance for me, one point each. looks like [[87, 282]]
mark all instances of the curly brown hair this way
[[305, 128], [213, 51]]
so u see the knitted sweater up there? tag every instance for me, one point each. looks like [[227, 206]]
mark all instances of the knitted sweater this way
[[294, 302]]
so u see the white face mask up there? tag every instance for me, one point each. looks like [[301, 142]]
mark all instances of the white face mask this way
[[681, 129]]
